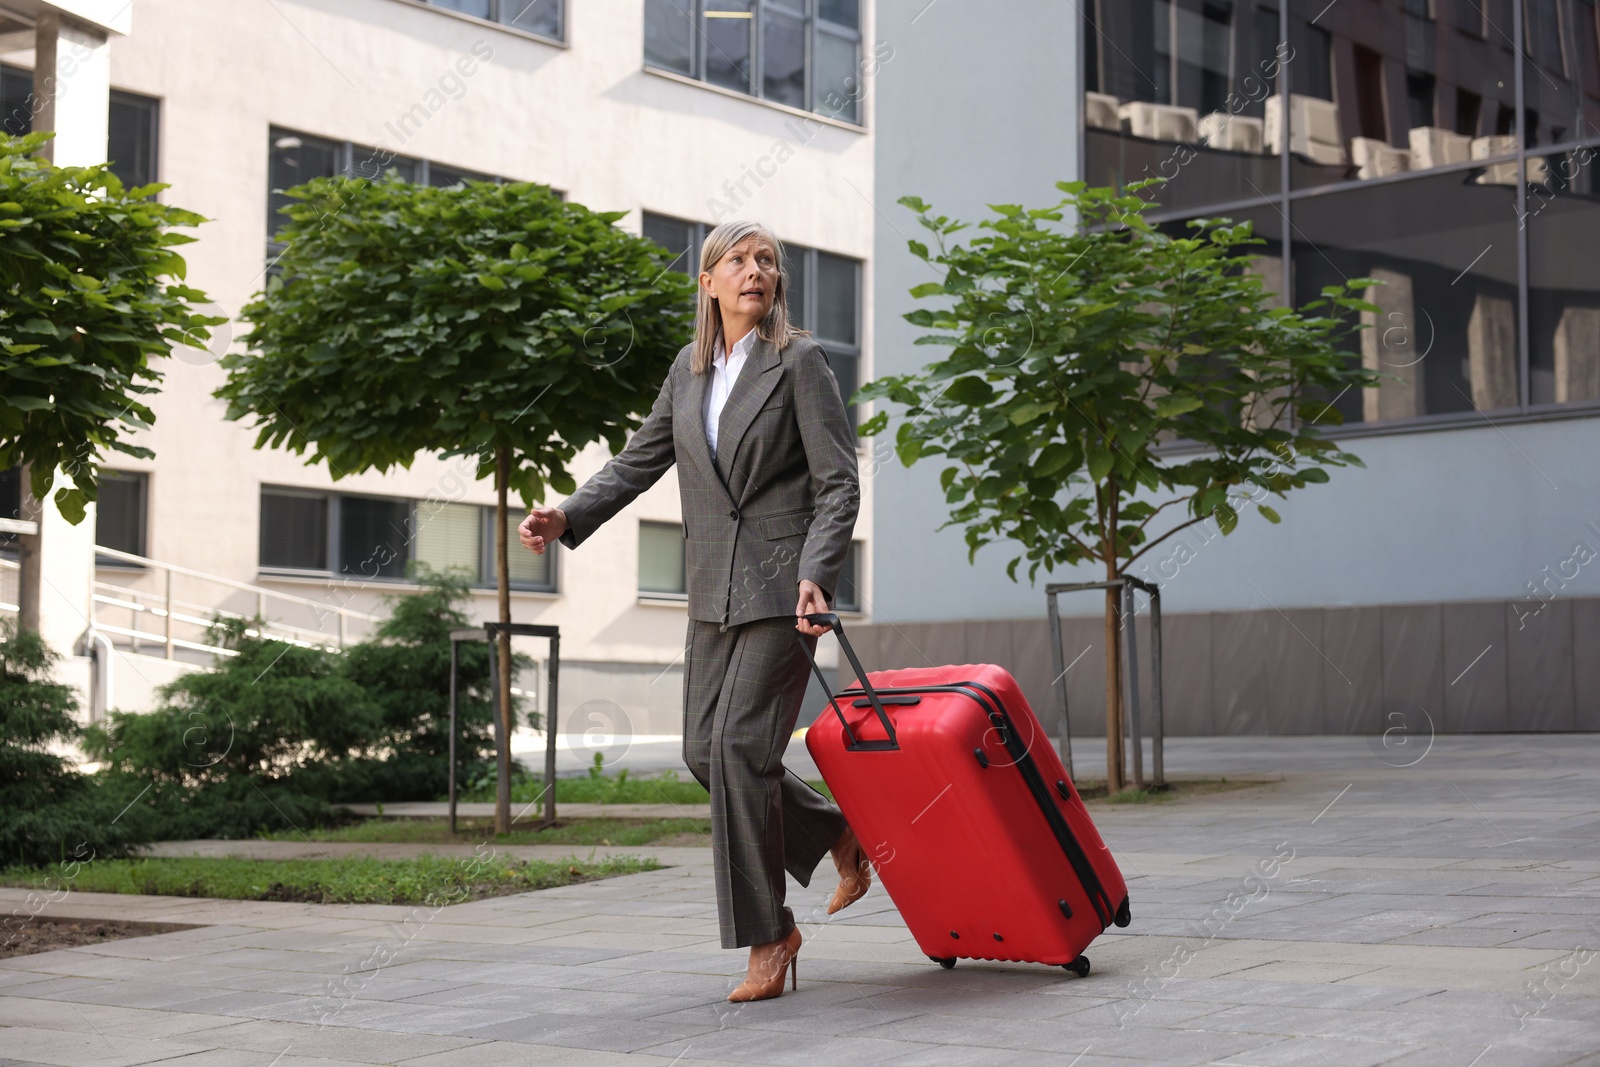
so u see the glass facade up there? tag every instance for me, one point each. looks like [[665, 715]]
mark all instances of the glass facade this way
[[1444, 148], [803, 53]]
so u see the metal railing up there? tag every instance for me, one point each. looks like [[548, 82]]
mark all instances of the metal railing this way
[[1125, 587], [143, 617]]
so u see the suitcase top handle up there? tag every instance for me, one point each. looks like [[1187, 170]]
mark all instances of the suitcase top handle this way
[[889, 744]]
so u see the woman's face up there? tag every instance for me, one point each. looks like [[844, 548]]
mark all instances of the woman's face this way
[[744, 281]]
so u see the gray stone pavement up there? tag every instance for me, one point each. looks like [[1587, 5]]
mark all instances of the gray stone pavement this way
[[1359, 912]]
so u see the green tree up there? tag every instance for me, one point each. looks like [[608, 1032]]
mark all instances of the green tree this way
[[90, 291], [48, 812], [493, 321], [1080, 355]]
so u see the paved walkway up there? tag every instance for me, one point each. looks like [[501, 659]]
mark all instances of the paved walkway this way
[[1360, 912]]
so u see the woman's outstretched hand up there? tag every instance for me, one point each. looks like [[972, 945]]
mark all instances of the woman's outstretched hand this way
[[811, 603], [542, 527]]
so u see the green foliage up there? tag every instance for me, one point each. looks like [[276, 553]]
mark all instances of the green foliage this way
[[464, 321], [260, 741], [432, 880], [405, 671], [278, 733], [48, 812], [1075, 354], [90, 290]]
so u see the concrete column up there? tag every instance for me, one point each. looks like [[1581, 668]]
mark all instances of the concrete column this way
[[1389, 346], [58, 572], [1492, 353], [72, 89], [1577, 345], [72, 96]]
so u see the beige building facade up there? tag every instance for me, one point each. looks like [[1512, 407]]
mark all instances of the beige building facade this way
[[243, 97]]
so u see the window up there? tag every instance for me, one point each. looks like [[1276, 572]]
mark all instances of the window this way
[[848, 596], [1448, 165], [373, 536], [295, 158], [133, 138], [378, 538], [120, 515], [802, 53], [16, 100], [545, 18], [460, 537], [661, 559], [294, 530], [825, 298], [683, 239], [10, 504]]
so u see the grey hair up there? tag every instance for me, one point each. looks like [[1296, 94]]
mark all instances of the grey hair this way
[[775, 327]]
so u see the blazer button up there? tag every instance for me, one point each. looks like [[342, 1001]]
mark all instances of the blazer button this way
[[734, 515]]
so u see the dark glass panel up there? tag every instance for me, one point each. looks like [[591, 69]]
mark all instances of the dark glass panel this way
[[294, 159], [669, 35], [726, 39], [119, 512], [783, 58], [373, 536], [294, 531], [1444, 250], [536, 16], [1563, 223], [131, 138]]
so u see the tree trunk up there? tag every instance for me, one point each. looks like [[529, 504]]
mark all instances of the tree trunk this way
[[1114, 777], [502, 567], [30, 575]]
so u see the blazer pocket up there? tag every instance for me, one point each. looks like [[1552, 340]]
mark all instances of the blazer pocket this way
[[787, 524]]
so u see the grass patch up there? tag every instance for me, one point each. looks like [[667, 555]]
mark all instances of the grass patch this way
[[629, 832], [430, 880], [598, 787]]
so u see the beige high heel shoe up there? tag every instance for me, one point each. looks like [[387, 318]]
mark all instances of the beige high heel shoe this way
[[855, 872], [768, 962]]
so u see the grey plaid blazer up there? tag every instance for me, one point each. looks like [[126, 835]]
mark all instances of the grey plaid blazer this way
[[778, 502]]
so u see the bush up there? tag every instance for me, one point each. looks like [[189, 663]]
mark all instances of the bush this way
[[257, 743], [406, 673], [48, 811], [279, 734]]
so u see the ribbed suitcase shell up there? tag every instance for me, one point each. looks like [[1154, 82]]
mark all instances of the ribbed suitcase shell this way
[[964, 847]]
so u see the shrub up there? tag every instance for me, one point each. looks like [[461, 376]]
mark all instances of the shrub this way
[[48, 811]]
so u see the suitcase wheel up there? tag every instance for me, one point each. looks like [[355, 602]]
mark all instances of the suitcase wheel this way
[[946, 962], [1123, 916], [1079, 966]]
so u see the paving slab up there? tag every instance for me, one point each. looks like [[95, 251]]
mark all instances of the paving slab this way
[[1446, 913]]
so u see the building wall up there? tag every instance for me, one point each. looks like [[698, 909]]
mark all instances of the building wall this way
[[583, 117], [1387, 573]]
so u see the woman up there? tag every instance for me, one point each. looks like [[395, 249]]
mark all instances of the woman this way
[[751, 414]]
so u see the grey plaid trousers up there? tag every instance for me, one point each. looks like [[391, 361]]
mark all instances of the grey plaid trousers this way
[[742, 691]]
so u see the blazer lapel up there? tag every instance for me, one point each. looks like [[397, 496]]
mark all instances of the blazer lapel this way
[[693, 415], [756, 382]]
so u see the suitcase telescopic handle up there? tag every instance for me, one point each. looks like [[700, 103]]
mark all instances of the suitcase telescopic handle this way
[[889, 744]]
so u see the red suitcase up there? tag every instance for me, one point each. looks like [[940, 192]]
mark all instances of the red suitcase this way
[[970, 822]]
